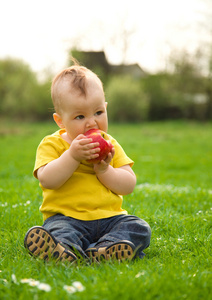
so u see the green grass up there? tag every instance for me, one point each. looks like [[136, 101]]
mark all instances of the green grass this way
[[173, 163]]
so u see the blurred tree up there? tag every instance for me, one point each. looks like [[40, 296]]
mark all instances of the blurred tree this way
[[183, 92], [127, 101], [21, 95], [192, 81], [188, 71], [158, 87]]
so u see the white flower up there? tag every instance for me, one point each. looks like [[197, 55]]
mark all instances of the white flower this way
[[69, 289], [25, 280], [78, 286], [4, 280], [44, 287], [139, 274], [14, 278], [34, 282]]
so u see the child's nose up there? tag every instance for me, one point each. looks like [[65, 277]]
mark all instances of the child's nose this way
[[91, 122]]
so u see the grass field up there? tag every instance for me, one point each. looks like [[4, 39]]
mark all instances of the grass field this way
[[173, 163]]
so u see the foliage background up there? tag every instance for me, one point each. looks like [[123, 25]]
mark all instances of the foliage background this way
[[182, 91]]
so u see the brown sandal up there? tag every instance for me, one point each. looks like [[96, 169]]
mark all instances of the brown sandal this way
[[123, 250], [40, 243]]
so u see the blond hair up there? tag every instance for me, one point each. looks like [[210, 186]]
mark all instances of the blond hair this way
[[76, 75]]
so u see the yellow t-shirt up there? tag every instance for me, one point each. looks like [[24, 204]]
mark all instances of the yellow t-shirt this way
[[83, 196]]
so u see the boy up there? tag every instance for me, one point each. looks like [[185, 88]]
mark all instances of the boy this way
[[82, 202]]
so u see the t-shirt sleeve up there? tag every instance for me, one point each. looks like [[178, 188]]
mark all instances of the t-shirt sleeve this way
[[120, 158], [46, 152]]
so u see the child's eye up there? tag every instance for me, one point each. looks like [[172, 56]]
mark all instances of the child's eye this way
[[80, 117], [98, 113]]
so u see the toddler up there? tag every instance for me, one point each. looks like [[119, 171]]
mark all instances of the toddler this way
[[82, 202]]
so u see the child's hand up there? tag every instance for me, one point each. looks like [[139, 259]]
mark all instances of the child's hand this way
[[102, 166], [82, 148]]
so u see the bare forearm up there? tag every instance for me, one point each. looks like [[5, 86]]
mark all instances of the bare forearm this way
[[118, 180], [58, 171]]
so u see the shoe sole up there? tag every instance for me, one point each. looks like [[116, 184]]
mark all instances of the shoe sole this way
[[41, 244], [119, 251]]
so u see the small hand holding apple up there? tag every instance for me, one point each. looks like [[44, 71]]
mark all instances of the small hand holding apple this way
[[102, 166], [106, 152], [82, 148]]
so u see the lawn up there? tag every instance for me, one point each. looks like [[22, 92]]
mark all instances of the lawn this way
[[173, 163]]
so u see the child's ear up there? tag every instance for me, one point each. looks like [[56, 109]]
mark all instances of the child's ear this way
[[58, 120]]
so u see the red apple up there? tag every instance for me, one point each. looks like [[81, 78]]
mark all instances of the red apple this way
[[104, 145]]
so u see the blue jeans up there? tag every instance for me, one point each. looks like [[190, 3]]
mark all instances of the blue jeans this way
[[79, 235]]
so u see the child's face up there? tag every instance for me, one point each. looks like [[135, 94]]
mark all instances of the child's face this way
[[79, 112]]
